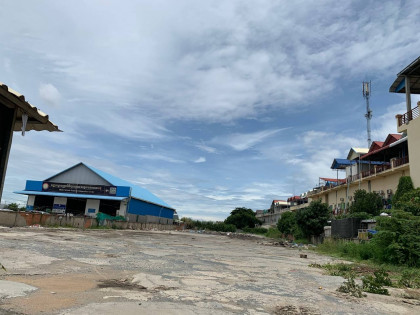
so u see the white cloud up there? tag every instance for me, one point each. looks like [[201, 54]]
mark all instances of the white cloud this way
[[49, 94], [206, 148], [159, 157], [201, 159], [244, 141]]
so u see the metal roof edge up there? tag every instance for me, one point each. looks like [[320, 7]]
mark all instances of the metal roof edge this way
[[153, 203]]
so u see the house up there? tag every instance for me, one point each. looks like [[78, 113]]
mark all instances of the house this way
[[379, 168]]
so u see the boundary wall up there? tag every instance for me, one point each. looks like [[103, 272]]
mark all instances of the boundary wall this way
[[22, 218]]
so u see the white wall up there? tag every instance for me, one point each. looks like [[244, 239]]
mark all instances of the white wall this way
[[123, 208], [92, 204], [59, 205], [30, 203]]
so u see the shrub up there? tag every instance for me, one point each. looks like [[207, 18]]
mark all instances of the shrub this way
[[287, 223], [405, 185], [398, 239], [312, 219], [365, 202], [242, 218], [351, 287], [13, 206], [375, 284], [257, 230], [409, 202], [410, 279]]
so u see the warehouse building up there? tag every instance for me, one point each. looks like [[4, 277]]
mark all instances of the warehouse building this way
[[84, 190]]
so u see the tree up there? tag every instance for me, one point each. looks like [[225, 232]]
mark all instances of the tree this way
[[287, 223], [242, 218], [409, 201], [366, 202], [13, 206], [312, 219], [405, 184]]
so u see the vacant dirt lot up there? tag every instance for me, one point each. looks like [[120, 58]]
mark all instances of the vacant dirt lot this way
[[65, 271]]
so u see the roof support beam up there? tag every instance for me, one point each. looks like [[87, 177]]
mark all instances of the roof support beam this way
[[407, 93]]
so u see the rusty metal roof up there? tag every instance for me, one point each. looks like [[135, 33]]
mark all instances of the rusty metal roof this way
[[37, 120]]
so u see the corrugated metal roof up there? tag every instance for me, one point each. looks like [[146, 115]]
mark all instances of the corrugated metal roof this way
[[412, 71], [136, 191], [37, 120], [356, 152], [57, 194]]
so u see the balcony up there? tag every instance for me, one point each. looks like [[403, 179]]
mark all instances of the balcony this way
[[408, 116], [375, 170]]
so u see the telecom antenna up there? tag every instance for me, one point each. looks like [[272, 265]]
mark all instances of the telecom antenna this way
[[368, 115]]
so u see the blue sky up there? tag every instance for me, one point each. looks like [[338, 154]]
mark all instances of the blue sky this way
[[210, 105]]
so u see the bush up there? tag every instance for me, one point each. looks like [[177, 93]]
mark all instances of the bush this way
[[409, 202], [242, 218], [398, 239], [365, 202], [351, 287], [312, 219], [375, 284], [405, 185], [13, 206], [410, 279], [287, 223], [257, 230]]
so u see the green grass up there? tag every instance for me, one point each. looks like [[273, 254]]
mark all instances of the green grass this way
[[400, 276], [273, 233]]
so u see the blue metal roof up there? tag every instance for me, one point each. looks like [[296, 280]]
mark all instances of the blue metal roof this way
[[57, 194], [136, 191], [343, 163]]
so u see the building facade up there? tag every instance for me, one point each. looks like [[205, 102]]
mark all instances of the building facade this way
[[380, 168], [82, 190]]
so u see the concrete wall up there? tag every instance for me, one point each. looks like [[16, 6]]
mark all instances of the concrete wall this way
[[413, 133], [20, 219]]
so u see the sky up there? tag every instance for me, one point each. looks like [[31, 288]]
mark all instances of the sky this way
[[210, 105]]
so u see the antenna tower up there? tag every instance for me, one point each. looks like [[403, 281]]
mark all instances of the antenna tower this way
[[368, 115]]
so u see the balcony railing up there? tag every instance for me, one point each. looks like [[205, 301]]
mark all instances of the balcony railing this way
[[396, 162], [410, 115]]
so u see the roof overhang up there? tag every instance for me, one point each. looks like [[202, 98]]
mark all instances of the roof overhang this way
[[413, 72], [37, 120], [56, 194]]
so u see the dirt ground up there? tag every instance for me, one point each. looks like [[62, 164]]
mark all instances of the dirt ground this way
[[69, 271]]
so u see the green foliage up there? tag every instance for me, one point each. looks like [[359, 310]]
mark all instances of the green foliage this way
[[287, 223], [405, 185], [273, 233], [312, 219], [208, 225], [370, 203], [335, 269], [351, 287], [343, 248], [409, 202], [398, 239], [410, 279], [242, 218], [374, 284], [257, 230], [13, 206]]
